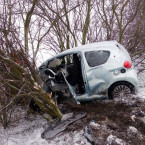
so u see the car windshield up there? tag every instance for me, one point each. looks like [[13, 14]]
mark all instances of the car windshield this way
[[95, 58]]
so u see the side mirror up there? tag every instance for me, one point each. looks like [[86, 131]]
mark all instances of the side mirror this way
[[49, 72]]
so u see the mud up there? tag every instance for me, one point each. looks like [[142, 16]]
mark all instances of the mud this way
[[125, 121]]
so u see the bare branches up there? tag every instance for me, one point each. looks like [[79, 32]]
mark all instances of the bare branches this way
[[26, 25]]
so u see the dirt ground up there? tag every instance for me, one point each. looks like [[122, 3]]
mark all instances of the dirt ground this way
[[119, 123], [114, 123]]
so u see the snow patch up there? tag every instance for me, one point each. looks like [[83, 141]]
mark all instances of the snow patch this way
[[141, 79], [71, 138], [112, 139], [27, 132]]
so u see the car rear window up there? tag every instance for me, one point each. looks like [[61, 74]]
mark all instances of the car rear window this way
[[95, 58]]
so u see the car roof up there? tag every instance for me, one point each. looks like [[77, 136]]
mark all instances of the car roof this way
[[97, 45]]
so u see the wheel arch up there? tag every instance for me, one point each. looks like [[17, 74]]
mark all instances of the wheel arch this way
[[130, 85]]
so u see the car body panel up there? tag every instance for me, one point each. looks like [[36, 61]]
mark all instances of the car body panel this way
[[98, 79]]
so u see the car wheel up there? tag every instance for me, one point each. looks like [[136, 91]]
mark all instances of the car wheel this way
[[120, 91]]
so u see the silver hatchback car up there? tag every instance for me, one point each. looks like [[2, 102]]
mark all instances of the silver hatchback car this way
[[93, 71]]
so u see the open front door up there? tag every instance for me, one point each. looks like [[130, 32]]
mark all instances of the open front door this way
[[68, 67]]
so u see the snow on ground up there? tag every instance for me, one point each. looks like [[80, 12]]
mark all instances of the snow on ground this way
[[141, 78], [28, 131], [114, 140], [71, 138]]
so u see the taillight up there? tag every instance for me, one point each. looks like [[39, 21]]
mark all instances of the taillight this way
[[127, 64]]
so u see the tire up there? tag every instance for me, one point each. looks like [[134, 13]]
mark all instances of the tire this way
[[120, 91]]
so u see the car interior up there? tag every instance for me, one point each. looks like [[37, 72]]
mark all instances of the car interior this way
[[71, 66]]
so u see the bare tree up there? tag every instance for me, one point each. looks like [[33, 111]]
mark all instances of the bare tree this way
[[19, 78], [67, 17]]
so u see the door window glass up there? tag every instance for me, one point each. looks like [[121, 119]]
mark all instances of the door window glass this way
[[95, 58]]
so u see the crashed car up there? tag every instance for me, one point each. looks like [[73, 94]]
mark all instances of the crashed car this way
[[93, 71]]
